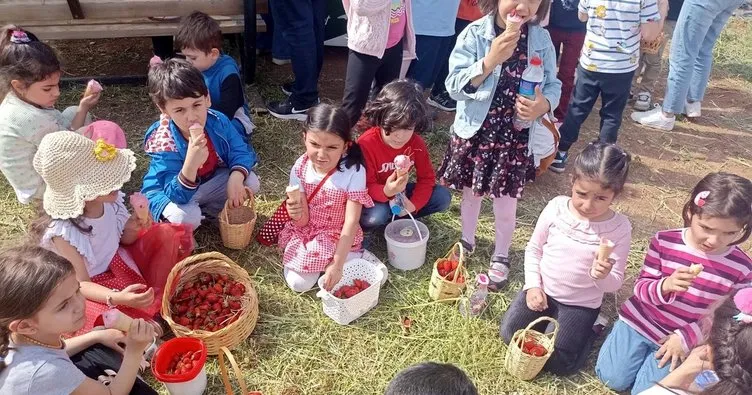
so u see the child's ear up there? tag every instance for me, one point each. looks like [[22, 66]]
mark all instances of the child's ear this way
[[208, 101], [24, 327], [18, 85], [214, 53]]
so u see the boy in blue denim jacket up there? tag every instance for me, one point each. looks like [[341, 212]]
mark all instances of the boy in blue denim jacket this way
[[608, 62], [198, 160], [487, 155]]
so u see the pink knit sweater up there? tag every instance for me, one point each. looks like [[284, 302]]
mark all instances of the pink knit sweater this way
[[561, 252], [368, 27]]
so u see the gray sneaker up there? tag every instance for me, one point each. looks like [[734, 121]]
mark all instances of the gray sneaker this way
[[644, 101]]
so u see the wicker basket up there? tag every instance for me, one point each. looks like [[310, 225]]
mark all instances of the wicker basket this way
[[236, 224], [442, 289], [652, 47], [213, 263], [526, 366]]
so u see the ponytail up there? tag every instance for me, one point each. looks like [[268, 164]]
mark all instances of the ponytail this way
[[354, 157], [24, 58], [731, 343]]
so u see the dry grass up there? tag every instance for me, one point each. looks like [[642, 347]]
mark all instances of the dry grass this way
[[295, 349]]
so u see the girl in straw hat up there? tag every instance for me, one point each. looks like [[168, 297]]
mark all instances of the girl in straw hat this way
[[85, 220]]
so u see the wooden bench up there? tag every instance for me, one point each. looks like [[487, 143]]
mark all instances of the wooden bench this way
[[96, 19]]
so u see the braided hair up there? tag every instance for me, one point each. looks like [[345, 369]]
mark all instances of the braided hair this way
[[731, 342], [28, 275]]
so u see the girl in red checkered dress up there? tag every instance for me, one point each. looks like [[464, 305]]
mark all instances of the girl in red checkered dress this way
[[324, 228], [85, 221]]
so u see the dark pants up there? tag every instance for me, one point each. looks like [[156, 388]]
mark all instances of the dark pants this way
[[94, 360], [570, 43], [163, 46], [574, 340], [614, 92], [302, 25], [438, 84], [432, 55], [361, 72], [381, 213]]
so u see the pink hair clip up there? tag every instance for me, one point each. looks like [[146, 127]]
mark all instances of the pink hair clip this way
[[19, 37], [700, 198], [743, 302]]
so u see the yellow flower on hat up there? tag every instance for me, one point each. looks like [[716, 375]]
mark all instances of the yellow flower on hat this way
[[104, 152]]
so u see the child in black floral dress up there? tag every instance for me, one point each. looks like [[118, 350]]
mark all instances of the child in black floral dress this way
[[486, 154]]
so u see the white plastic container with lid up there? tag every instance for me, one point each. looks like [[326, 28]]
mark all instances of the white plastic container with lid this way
[[406, 242]]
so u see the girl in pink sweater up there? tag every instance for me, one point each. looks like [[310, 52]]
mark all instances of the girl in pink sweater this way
[[380, 36], [564, 278]]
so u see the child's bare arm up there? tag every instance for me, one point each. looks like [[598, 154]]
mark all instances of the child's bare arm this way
[[582, 16]]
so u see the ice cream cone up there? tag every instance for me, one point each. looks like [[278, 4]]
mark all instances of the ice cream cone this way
[[92, 88], [605, 249], [293, 193], [696, 268], [514, 21], [116, 319], [140, 205], [402, 164], [196, 130]]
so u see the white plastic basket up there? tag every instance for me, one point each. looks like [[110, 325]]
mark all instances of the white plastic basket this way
[[345, 311]]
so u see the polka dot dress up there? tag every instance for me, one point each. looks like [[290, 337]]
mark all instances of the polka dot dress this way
[[495, 161]]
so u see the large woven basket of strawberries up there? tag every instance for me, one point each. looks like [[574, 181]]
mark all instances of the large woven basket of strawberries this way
[[448, 276], [529, 350], [210, 297]]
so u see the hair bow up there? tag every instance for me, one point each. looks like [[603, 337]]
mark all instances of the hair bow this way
[[19, 37], [743, 302], [700, 198]]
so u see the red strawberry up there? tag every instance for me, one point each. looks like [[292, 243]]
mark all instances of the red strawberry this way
[[366, 285], [454, 264], [184, 321], [235, 305], [350, 292], [212, 297]]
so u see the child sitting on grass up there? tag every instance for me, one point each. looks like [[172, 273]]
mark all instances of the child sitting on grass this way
[[41, 301], [85, 221], [198, 160], [685, 272], [564, 278], [728, 354], [324, 231], [29, 88], [431, 378], [199, 38], [393, 123]]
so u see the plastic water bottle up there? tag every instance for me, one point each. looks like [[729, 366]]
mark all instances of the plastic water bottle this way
[[531, 78], [474, 306], [397, 205], [705, 379]]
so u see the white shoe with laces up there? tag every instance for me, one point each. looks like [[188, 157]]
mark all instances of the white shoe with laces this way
[[654, 119], [693, 110]]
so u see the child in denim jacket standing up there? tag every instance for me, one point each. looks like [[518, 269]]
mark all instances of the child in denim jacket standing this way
[[486, 154]]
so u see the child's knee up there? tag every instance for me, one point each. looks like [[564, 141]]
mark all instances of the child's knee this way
[[253, 182], [377, 215], [189, 214], [611, 373], [442, 197], [300, 282]]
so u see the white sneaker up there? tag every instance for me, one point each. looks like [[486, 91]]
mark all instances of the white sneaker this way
[[654, 119], [643, 102], [693, 110]]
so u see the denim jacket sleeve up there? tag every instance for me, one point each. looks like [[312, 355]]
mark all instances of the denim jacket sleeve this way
[[551, 85], [466, 63]]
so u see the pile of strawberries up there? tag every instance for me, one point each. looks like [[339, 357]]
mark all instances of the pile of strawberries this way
[[532, 347], [447, 267], [209, 303], [183, 363], [348, 291]]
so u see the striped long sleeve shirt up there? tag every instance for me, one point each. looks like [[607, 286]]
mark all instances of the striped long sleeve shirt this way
[[655, 315]]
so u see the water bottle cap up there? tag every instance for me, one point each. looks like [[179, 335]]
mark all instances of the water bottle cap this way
[[536, 61], [396, 209], [482, 279]]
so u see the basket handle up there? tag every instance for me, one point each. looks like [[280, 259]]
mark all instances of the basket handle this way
[[249, 198], [225, 377], [530, 326], [461, 258]]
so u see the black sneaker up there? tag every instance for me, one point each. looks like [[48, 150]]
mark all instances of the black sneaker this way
[[469, 248], [443, 102], [560, 162], [287, 88], [498, 273], [285, 110]]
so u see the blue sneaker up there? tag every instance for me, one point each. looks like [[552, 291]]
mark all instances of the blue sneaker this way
[[560, 162]]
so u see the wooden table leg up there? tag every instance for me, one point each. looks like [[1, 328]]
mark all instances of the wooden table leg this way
[[248, 51]]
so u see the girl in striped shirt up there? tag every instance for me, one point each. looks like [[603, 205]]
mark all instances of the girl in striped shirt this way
[[685, 272]]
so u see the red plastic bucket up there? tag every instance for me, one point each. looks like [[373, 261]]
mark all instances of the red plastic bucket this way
[[191, 382]]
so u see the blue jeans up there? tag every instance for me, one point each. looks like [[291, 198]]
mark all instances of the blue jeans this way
[[697, 29], [614, 92], [273, 38], [432, 55], [380, 214], [628, 358], [301, 23]]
